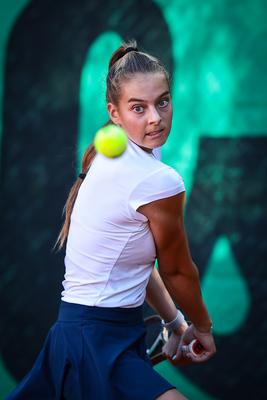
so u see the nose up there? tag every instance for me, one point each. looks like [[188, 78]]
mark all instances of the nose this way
[[154, 116]]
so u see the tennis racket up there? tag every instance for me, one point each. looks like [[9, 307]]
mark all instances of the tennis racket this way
[[195, 347], [157, 336]]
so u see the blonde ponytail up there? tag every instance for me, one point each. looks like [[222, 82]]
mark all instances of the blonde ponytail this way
[[87, 160]]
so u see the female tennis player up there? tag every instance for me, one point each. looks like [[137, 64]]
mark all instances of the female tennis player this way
[[121, 215]]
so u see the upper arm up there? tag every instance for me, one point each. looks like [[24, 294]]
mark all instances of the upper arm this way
[[167, 225]]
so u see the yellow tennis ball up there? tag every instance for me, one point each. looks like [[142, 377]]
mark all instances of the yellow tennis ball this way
[[111, 141]]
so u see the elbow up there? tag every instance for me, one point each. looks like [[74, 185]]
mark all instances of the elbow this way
[[195, 269], [188, 270]]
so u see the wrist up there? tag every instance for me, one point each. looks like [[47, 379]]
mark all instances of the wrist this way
[[176, 325], [203, 328], [181, 329]]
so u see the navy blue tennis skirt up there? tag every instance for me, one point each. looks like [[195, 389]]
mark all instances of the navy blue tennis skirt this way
[[93, 353]]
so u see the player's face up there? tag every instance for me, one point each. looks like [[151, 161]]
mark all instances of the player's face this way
[[144, 110]]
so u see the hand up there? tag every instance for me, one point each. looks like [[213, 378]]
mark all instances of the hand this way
[[206, 339], [170, 347]]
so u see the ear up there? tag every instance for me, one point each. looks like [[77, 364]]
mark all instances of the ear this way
[[113, 113]]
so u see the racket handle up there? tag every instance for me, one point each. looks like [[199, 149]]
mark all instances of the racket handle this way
[[195, 348]]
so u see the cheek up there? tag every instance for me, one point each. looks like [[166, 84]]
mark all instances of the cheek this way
[[132, 122], [169, 115]]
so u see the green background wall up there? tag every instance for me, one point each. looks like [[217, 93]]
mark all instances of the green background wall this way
[[52, 102]]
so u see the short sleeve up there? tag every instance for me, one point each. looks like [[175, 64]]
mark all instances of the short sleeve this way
[[163, 183]]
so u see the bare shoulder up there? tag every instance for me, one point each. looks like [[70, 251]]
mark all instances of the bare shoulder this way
[[169, 207], [165, 217], [166, 222]]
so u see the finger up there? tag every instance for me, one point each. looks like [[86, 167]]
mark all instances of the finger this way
[[168, 352], [168, 355], [187, 337], [180, 360], [178, 355], [205, 356]]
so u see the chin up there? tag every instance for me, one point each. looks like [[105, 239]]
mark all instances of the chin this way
[[156, 143]]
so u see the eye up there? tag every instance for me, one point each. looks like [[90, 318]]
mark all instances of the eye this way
[[163, 103], [138, 109]]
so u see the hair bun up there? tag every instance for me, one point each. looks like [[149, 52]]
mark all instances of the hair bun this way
[[128, 49], [121, 51]]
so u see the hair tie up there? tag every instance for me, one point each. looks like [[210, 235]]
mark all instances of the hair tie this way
[[82, 176], [129, 49]]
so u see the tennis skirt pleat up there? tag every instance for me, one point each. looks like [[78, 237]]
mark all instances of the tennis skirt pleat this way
[[93, 353]]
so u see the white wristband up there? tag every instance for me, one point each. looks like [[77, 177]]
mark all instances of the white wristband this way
[[174, 324]]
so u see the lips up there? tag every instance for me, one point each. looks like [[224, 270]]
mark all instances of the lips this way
[[155, 133]]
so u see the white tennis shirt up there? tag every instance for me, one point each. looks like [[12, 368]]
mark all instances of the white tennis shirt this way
[[110, 250]]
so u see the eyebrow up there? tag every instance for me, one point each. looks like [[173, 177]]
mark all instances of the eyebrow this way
[[144, 101]]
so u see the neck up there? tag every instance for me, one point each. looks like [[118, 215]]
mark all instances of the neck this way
[[142, 147]]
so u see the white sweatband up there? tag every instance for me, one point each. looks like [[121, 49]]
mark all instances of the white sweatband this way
[[174, 324]]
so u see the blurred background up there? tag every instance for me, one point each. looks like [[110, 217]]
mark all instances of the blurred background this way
[[53, 62]]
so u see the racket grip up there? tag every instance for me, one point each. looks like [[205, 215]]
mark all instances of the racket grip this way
[[195, 348]]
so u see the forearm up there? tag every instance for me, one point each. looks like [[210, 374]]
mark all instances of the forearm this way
[[176, 267], [185, 290], [158, 297]]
